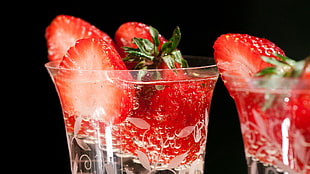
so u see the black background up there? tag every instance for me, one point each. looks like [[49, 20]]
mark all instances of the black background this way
[[35, 127]]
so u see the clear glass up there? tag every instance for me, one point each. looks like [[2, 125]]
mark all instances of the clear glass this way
[[275, 123], [125, 121]]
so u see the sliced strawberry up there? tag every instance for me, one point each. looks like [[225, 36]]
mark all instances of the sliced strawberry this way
[[65, 30], [93, 93], [127, 31], [240, 54], [92, 54]]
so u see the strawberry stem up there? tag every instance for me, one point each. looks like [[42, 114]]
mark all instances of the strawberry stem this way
[[148, 55], [282, 67]]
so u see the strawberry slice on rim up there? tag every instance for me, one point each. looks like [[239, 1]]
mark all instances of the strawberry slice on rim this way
[[65, 30], [240, 54], [86, 92]]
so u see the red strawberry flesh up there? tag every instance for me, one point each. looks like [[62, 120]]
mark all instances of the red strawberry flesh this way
[[65, 30], [88, 93], [240, 54]]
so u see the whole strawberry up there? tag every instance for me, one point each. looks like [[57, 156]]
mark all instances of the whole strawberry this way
[[126, 33]]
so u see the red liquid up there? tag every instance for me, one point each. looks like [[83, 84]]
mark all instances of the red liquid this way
[[168, 120], [280, 134]]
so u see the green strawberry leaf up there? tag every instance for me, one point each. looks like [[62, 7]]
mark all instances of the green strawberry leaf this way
[[173, 42], [148, 55], [154, 33], [282, 67]]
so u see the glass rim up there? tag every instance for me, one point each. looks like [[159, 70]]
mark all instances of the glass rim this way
[[233, 81], [255, 78], [54, 65]]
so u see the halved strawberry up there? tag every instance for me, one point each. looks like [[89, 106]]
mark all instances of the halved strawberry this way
[[93, 94], [127, 31], [65, 30], [240, 54]]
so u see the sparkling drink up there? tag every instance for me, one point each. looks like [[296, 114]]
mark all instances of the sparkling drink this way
[[159, 122], [275, 123]]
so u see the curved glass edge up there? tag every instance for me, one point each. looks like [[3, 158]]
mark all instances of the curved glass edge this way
[[195, 62], [268, 83], [205, 68]]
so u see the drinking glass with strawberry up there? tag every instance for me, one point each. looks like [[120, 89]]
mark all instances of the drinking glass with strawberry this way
[[272, 95], [133, 104]]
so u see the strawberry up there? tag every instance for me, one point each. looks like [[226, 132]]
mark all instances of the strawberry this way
[[91, 93], [240, 54], [126, 32], [65, 30], [150, 54]]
